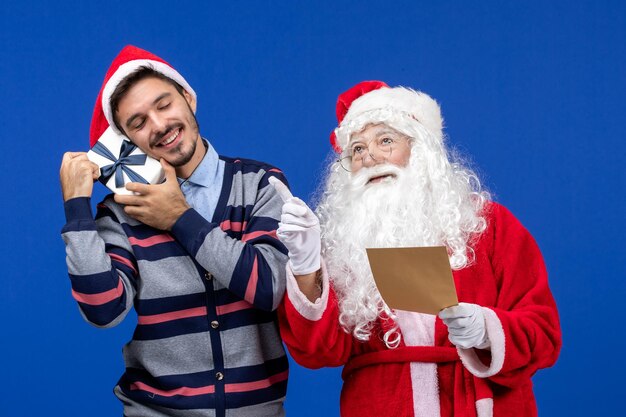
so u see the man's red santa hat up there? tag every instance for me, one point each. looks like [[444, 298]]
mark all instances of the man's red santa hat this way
[[371, 102], [125, 63]]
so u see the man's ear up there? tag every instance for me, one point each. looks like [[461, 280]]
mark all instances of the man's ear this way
[[190, 100]]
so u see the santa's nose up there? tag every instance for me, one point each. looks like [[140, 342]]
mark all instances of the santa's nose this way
[[372, 157]]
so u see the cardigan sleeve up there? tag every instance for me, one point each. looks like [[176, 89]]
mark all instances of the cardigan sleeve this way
[[252, 266], [100, 263], [524, 323]]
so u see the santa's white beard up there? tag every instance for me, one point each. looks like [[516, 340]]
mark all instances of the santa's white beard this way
[[410, 209], [389, 213]]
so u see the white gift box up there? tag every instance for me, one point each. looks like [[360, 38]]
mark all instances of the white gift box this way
[[134, 166]]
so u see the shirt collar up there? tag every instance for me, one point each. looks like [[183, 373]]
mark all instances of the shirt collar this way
[[205, 173]]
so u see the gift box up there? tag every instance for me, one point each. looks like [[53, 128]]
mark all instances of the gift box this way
[[120, 162]]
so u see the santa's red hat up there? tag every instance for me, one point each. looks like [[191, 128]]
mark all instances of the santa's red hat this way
[[125, 63], [371, 102]]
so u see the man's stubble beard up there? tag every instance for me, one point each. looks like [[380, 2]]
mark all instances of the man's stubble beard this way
[[185, 157]]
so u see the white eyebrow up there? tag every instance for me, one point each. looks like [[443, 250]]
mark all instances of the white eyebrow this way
[[383, 131]]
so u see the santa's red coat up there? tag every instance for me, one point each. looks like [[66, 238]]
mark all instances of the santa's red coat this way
[[426, 375]]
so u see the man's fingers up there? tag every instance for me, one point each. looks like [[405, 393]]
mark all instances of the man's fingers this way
[[170, 171], [71, 155], [128, 200], [170, 178], [281, 189], [95, 171], [138, 187]]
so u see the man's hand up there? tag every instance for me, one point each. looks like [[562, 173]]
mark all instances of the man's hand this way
[[466, 326], [77, 175], [159, 206]]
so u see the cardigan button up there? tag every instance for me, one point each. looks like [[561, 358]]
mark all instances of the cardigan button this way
[[219, 376], [215, 324], [208, 276]]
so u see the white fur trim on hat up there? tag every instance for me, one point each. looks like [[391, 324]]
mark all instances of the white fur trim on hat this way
[[128, 68], [397, 100]]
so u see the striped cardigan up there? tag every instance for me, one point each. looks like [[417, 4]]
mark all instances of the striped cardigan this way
[[206, 341]]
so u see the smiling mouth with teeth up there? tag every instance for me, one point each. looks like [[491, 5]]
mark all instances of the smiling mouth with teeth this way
[[170, 139]]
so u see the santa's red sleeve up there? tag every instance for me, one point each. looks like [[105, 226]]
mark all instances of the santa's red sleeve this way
[[311, 330], [523, 326]]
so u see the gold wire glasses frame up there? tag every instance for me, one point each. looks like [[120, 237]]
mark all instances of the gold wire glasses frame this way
[[356, 151]]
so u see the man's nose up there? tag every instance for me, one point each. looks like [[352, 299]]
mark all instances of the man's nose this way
[[159, 124]]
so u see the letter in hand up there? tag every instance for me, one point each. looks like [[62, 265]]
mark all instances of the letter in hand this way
[[466, 326], [157, 205], [77, 175]]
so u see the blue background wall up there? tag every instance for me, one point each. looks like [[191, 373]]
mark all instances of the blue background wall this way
[[533, 92]]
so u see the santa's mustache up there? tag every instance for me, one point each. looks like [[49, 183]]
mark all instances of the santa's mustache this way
[[362, 177]]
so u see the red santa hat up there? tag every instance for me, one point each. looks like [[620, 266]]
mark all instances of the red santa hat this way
[[125, 63], [375, 102]]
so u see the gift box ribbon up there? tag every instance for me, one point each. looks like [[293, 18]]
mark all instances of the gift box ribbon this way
[[120, 165]]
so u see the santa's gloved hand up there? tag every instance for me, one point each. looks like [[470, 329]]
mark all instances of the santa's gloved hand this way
[[299, 231], [466, 326]]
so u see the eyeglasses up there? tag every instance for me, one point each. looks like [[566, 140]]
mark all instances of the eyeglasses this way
[[357, 150]]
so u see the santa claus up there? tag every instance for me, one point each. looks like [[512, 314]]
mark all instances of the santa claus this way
[[396, 185]]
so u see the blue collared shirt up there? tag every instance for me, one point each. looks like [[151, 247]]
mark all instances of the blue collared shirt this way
[[202, 189]]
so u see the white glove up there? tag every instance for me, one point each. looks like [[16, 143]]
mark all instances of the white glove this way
[[299, 231], [466, 326]]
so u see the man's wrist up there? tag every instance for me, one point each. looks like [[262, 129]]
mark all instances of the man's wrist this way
[[177, 214]]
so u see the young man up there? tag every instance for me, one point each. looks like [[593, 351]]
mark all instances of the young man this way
[[395, 186], [197, 256]]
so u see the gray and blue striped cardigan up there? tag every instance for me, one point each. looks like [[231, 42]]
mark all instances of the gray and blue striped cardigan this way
[[206, 342]]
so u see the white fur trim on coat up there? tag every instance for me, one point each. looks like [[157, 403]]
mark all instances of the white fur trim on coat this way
[[419, 330], [484, 407], [308, 310], [495, 333]]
